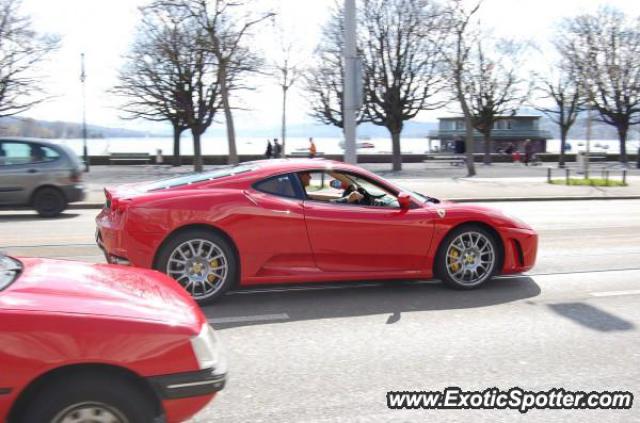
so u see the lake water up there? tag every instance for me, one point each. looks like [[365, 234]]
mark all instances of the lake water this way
[[218, 146]]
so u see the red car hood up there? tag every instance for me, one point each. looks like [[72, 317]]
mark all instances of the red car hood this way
[[60, 286]]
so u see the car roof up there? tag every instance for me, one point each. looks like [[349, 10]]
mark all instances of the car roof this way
[[298, 165], [30, 140]]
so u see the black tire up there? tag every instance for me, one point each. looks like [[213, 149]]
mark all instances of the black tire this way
[[89, 393], [443, 268], [193, 235], [49, 202]]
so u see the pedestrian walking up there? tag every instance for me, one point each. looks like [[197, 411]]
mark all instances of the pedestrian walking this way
[[277, 148], [312, 148], [269, 153], [528, 151]]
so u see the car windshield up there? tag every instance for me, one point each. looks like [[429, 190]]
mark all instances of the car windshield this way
[[9, 269], [198, 177]]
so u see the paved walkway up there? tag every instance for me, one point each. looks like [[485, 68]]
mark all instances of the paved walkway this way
[[497, 182]]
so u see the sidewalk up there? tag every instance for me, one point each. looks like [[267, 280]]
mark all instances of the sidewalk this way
[[495, 183]]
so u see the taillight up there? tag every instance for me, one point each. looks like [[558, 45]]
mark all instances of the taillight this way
[[119, 205], [76, 176]]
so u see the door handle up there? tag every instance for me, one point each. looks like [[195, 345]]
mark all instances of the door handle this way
[[281, 211], [32, 171]]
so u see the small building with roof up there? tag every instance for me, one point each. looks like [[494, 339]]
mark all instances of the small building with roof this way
[[507, 130]]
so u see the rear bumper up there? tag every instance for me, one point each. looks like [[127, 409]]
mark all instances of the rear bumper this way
[[74, 193]]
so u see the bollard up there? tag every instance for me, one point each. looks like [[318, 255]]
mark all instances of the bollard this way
[[568, 173], [624, 176], [606, 177], [549, 175]]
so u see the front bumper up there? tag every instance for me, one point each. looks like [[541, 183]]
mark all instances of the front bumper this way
[[520, 249], [190, 384]]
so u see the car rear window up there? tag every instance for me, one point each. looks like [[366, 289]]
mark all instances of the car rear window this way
[[10, 268], [198, 177]]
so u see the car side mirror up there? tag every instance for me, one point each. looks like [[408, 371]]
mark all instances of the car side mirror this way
[[404, 200]]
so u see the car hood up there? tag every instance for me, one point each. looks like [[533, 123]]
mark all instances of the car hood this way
[[60, 286]]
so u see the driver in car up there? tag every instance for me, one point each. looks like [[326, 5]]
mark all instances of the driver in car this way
[[352, 197]]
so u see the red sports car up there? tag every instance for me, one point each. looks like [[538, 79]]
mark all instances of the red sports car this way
[[304, 220], [101, 343]]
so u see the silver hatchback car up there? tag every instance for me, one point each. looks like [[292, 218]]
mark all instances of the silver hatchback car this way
[[39, 174]]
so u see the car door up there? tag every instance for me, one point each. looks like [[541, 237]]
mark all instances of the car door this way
[[356, 238], [18, 174], [283, 246]]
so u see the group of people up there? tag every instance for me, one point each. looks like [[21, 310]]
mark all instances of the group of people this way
[[274, 151]]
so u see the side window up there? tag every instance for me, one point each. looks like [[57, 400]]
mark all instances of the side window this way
[[278, 185], [17, 153], [50, 154]]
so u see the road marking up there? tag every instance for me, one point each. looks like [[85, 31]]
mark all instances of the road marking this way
[[615, 293], [245, 319]]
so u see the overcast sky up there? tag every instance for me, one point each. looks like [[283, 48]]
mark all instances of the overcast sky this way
[[103, 29]]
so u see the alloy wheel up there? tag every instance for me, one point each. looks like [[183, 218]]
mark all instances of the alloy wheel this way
[[200, 266], [470, 258]]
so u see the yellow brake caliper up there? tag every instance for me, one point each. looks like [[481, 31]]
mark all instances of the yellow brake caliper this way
[[213, 264], [453, 262]]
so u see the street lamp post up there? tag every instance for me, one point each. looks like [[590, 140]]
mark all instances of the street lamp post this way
[[350, 102], [83, 77]]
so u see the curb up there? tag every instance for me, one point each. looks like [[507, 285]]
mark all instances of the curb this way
[[96, 206]]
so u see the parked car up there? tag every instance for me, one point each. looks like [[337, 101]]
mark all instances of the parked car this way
[[39, 174], [277, 221], [86, 342]]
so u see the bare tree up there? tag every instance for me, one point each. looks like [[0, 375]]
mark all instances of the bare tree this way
[[286, 72], [22, 49], [494, 87], [464, 33], [324, 79], [150, 80], [604, 49], [228, 24], [566, 98], [170, 75], [401, 63]]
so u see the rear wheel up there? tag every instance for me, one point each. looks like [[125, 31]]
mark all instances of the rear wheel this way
[[202, 262], [467, 257], [49, 202], [89, 399]]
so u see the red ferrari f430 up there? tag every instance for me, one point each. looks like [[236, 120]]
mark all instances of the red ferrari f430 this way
[[304, 220]]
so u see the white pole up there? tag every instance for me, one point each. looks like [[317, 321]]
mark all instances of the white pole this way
[[83, 77], [350, 102]]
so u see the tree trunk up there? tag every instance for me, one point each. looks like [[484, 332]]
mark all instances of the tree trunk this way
[[396, 154], [622, 135], [197, 154], [469, 147], [231, 132], [284, 121], [177, 159], [563, 143], [487, 147]]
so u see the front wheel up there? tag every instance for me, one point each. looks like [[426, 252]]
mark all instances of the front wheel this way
[[89, 398], [467, 257], [202, 262]]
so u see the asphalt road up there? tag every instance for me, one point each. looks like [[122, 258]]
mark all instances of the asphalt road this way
[[329, 353]]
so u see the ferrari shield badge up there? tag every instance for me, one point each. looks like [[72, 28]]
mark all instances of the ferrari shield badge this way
[[441, 212]]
